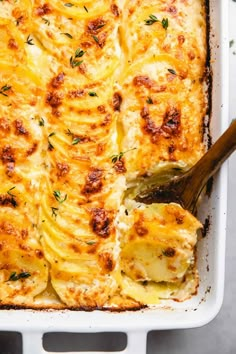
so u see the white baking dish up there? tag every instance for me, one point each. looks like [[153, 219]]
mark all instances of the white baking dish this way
[[211, 250]]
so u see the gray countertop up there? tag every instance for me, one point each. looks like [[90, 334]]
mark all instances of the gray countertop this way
[[219, 336]]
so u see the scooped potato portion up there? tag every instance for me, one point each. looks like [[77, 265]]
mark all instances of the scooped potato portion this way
[[158, 242]]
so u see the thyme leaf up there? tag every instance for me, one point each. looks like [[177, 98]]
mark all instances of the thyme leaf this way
[[67, 34], [58, 196], [149, 100], [92, 94], [172, 71], [4, 89], [14, 276], [152, 19], [165, 23], [75, 141], [29, 40], [46, 21], [54, 212], [96, 39], [41, 122]]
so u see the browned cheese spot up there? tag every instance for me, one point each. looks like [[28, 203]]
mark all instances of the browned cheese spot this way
[[19, 128], [116, 101], [169, 252], [32, 149], [4, 124], [172, 10], [143, 81], [58, 80], [115, 10], [101, 222], [7, 200], [43, 10], [12, 44], [95, 26], [93, 182], [63, 169], [119, 166], [181, 39], [10, 167], [140, 228], [7, 154], [54, 99], [106, 261], [171, 122], [76, 93]]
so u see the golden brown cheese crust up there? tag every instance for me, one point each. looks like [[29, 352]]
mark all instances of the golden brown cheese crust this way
[[91, 96]]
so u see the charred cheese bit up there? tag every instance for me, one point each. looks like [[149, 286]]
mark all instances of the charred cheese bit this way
[[157, 245]]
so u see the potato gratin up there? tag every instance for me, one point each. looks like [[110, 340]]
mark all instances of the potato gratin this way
[[96, 98]]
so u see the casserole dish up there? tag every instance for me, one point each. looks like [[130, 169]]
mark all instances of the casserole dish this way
[[199, 309]]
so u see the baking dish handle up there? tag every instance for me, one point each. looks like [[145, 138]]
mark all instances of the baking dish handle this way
[[136, 344]]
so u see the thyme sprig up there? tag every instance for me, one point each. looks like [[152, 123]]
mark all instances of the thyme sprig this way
[[153, 19], [118, 157], [74, 59]]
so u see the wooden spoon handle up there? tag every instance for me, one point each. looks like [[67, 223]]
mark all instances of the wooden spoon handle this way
[[209, 164]]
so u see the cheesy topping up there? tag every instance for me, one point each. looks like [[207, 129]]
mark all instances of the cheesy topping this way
[[96, 96]]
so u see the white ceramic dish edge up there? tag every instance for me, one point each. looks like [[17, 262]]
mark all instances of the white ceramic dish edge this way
[[196, 312]]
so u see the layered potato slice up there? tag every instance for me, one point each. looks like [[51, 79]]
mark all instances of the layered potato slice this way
[[157, 248], [23, 269], [164, 99]]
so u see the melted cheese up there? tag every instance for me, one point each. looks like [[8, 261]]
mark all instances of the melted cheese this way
[[92, 101]]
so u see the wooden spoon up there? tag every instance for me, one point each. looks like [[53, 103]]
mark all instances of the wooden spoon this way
[[186, 188]]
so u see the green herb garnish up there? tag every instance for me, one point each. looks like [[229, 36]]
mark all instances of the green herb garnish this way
[[92, 94], [118, 157], [149, 100], [90, 243], [41, 122], [46, 21], [78, 54], [58, 196], [68, 35], [172, 71], [29, 40], [69, 4], [54, 212], [4, 89], [50, 146], [13, 200], [75, 141], [14, 276], [10, 193], [96, 39], [152, 19], [165, 23]]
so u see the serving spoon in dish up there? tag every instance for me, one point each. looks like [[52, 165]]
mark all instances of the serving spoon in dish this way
[[186, 188]]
